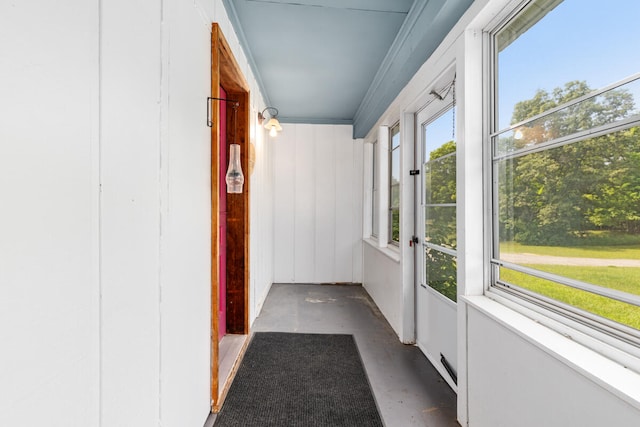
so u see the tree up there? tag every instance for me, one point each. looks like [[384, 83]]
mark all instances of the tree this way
[[552, 195]]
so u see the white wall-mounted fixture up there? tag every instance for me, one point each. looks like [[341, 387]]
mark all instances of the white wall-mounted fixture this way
[[273, 125]]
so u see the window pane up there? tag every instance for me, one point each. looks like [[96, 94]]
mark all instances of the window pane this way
[[439, 136], [395, 174], [606, 108], [566, 186], [563, 196], [571, 43], [440, 179], [574, 211], [442, 272], [395, 137], [440, 226], [394, 225], [439, 157], [395, 195], [618, 311], [394, 184], [374, 194]]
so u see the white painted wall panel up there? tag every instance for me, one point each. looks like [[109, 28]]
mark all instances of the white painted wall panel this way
[[325, 146], [130, 214], [305, 212], [185, 279], [513, 382], [382, 278], [48, 213], [317, 226], [344, 203], [105, 219], [358, 201], [284, 181], [261, 218]]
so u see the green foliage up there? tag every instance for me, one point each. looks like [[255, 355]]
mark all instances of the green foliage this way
[[440, 174], [442, 273], [395, 224], [555, 195], [440, 215], [624, 279], [601, 246]]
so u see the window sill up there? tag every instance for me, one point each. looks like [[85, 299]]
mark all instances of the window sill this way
[[608, 374], [391, 252]]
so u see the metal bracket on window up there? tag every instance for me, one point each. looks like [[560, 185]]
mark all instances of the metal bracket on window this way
[[414, 172], [209, 99]]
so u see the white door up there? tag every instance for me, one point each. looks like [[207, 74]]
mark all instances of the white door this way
[[436, 266]]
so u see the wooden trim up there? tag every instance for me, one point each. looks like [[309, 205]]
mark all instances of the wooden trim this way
[[215, 408], [215, 220], [226, 72]]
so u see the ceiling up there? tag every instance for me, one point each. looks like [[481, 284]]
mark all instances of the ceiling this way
[[338, 61]]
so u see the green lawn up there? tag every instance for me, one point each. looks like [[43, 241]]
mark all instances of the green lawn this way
[[622, 279], [605, 252]]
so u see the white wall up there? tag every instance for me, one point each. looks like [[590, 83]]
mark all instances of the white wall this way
[[518, 375], [185, 251], [382, 278], [49, 232], [261, 257], [317, 204], [105, 219]]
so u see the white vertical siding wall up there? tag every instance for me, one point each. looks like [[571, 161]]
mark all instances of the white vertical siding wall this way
[[105, 212], [261, 257], [49, 234], [185, 251], [317, 204], [130, 212]]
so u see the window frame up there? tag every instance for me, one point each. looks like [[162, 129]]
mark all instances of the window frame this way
[[393, 131], [613, 339], [375, 191], [448, 106]]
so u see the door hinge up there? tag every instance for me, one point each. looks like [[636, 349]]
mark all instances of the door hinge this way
[[413, 172]]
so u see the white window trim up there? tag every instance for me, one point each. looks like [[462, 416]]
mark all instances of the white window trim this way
[[367, 214], [383, 191]]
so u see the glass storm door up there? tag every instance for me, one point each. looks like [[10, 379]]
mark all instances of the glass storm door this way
[[436, 267]]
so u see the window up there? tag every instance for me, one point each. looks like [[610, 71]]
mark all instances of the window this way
[[565, 144], [375, 179], [440, 232], [394, 184]]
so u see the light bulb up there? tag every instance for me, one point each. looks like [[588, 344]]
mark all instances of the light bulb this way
[[273, 131]]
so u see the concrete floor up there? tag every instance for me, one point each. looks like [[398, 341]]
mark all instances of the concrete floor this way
[[408, 390]]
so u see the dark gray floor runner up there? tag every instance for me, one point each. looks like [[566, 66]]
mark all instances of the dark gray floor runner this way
[[305, 380]]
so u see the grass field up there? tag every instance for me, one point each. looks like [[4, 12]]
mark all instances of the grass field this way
[[623, 279], [605, 252], [595, 245]]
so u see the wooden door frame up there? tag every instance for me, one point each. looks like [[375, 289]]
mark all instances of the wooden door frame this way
[[225, 72]]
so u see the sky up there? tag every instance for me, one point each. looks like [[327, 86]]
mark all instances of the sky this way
[[594, 41]]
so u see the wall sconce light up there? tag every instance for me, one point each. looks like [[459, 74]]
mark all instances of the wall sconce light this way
[[273, 125]]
